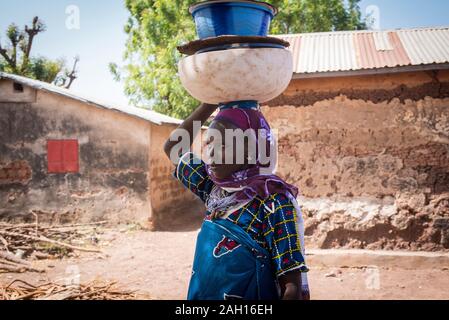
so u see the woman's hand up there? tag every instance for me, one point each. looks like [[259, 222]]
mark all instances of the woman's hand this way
[[291, 286], [201, 114], [292, 292]]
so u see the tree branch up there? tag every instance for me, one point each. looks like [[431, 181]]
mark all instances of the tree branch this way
[[5, 55], [37, 27], [73, 74]]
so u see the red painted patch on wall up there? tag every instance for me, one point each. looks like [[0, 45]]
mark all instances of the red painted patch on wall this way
[[62, 156], [18, 171]]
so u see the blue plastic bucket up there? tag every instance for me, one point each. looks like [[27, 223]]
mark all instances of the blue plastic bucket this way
[[238, 17]]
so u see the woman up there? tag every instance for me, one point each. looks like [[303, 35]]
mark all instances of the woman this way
[[251, 242]]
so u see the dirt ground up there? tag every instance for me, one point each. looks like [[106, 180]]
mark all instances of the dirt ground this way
[[158, 266]]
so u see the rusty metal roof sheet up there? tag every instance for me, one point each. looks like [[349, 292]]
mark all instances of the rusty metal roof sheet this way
[[388, 53], [364, 50], [145, 114]]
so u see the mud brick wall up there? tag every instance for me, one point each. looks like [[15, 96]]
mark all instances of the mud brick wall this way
[[174, 207], [116, 166], [15, 172], [371, 158]]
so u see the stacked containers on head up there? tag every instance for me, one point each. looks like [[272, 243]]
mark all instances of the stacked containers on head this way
[[234, 61]]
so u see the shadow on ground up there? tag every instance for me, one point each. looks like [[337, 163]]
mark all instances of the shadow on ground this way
[[188, 218]]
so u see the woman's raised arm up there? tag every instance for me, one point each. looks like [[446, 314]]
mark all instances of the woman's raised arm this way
[[186, 129]]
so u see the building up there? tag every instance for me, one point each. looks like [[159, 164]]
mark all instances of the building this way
[[364, 133], [68, 158]]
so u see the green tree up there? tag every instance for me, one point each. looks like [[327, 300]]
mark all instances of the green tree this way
[[16, 57], [156, 27], [317, 16]]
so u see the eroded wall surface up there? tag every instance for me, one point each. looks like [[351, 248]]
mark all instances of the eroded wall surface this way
[[371, 158], [173, 206], [112, 181]]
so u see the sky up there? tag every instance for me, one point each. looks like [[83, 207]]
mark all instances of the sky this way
[[93, 30]]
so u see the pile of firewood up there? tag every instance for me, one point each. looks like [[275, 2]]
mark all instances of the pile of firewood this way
[[21, 242], [21, 290]]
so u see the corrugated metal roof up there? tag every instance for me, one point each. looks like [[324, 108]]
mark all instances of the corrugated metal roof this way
[[314, 54], [369, 56], [427, 45], [382, 41], [149, 115], [361, 50], [295, 46]]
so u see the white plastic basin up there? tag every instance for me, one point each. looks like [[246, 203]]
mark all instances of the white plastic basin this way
[[259, 74]]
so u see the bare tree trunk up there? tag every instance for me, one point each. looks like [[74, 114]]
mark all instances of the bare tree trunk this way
[[35, 29]]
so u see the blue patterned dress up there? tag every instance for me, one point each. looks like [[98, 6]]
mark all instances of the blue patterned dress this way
[[272, 223]]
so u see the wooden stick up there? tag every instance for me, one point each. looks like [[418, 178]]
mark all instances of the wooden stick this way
[[33, 225], [37, 222], [9, 263], [26, 296], [40, 255], [11, 268], [101, 289], [22, 281], [13, 258], [19, 266], [19, 225], [5, 243], [44, 239], [78, 225]]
